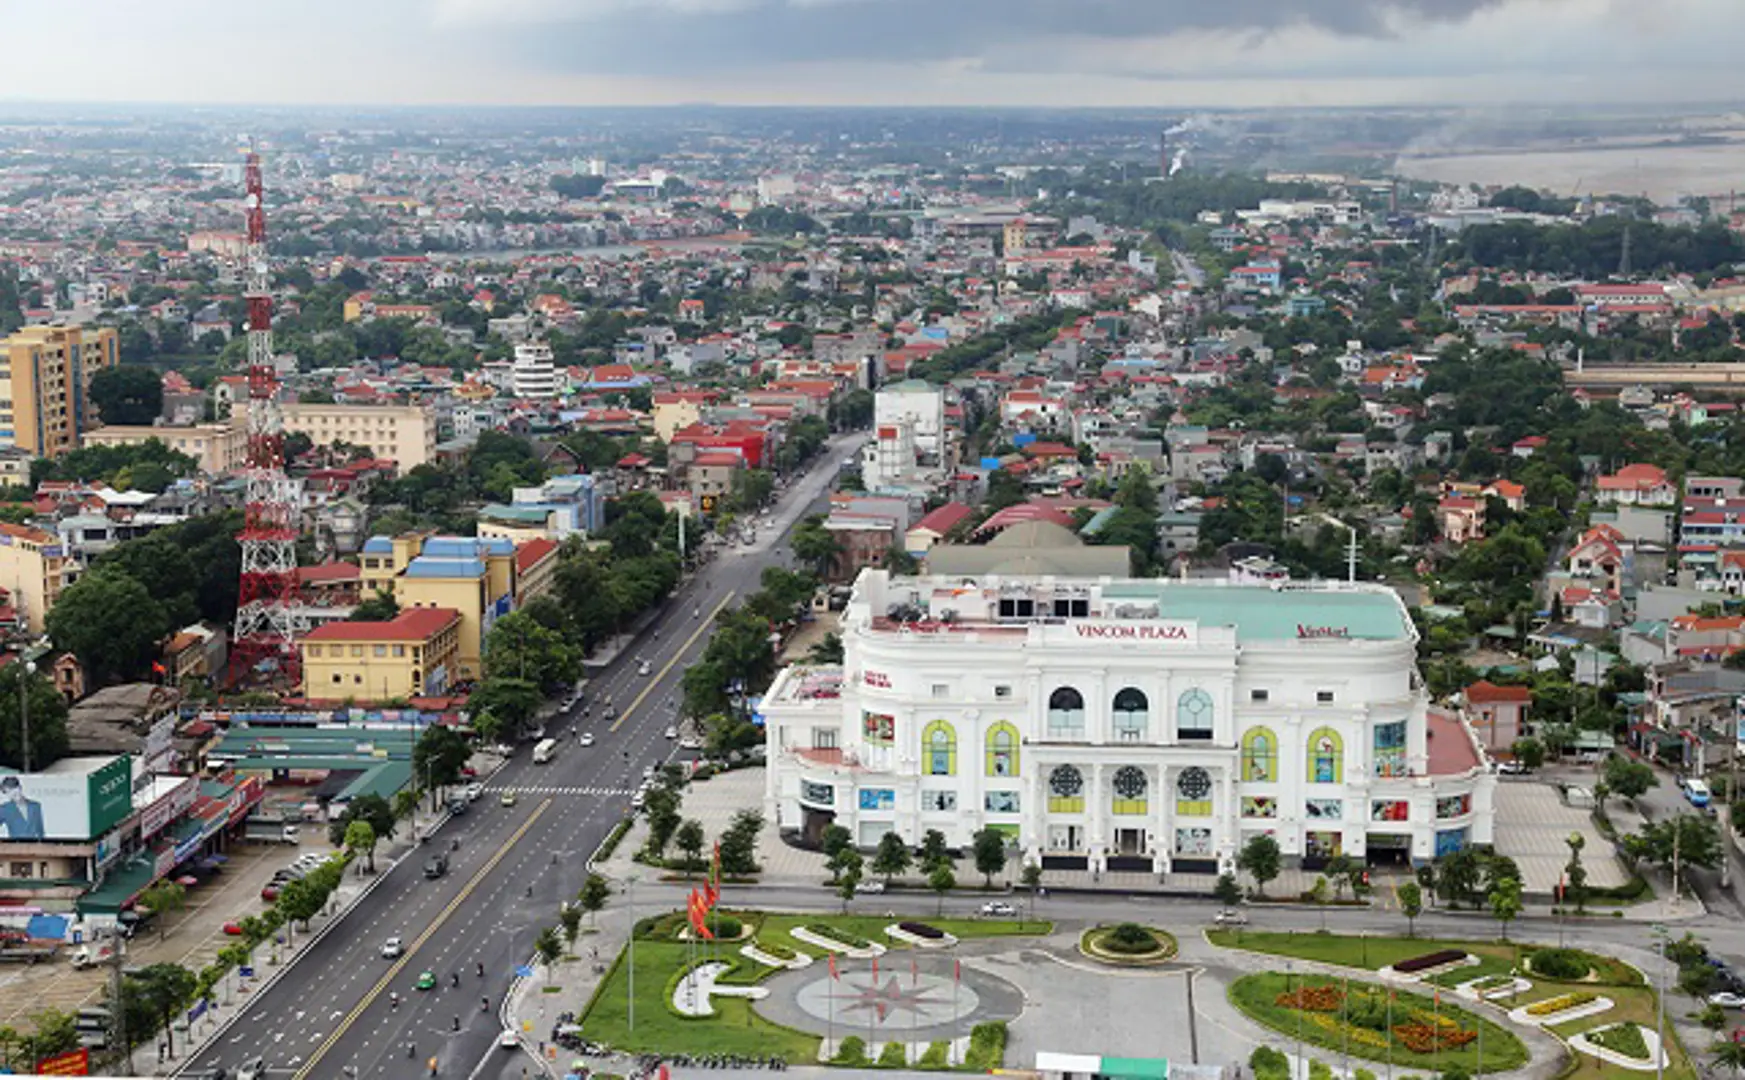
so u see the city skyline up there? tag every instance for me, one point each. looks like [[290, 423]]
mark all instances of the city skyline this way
[[1168, 54]]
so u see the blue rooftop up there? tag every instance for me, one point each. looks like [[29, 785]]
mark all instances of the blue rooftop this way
[[378, 545], [426, 566], [1261, 614]]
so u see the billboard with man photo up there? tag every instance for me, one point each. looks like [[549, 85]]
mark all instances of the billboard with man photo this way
[[67, 804]]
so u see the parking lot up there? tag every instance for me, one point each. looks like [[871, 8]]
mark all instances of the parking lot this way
[[190, 937]]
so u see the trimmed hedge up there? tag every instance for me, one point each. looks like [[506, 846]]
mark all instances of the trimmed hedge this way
[[937, 1056], [1625, 1039], [841, 937], [1430, 960], [921, 930], [770, 948], [1561, 1003], [1129, 938], [895, 1055]]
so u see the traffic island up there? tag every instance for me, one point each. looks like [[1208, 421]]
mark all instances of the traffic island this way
[[1128, 945]]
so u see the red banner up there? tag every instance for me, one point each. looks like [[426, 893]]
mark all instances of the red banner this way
[[72, 1063]]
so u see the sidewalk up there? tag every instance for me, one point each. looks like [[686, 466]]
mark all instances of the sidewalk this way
[[274, 958]]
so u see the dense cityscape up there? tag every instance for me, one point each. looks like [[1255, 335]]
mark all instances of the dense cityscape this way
[[629, 592]]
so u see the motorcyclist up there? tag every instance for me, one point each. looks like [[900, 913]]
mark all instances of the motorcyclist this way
[[455, 976], [481, 969], [484, 1004], [393, 1000]]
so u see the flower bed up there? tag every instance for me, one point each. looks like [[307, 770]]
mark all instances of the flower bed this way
[[1433, 1034], [921, 930], [1561, 1003], [908, 934], [1625, 1039], [1439, 958], [1312, 998]]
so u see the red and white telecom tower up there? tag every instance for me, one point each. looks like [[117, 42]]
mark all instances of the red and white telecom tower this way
[[264, 625]]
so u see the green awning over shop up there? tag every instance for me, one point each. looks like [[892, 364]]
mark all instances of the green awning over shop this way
[[123, 884], [1135, 1068]]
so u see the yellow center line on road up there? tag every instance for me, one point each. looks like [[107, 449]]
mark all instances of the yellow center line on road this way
[[680, 655], [412, 950]]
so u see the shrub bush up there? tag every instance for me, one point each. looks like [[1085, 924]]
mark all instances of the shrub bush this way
[[725, 927], [937, 1056], [1319, 1070], [850, 1051], [895, 1055], [987, 1046], [1430, 960], [1269, 1064], [1129, 937], [921, 930], [1560, 964], [1362, 1074]]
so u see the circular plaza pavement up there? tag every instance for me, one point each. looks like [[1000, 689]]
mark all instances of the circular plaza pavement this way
[[913, 999]]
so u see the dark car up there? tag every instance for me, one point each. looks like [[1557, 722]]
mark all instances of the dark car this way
[[436, 867]]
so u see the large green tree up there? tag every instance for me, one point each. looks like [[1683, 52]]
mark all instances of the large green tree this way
[[128, 394], [112, 623], [439, 755], [46, 711], [521, 648]]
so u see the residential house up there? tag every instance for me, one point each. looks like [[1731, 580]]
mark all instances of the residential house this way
[[1636, 485], [1496, 714]]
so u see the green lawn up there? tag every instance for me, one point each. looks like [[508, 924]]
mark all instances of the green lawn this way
[[1633, 999], [1256, 996], [736, 1028]]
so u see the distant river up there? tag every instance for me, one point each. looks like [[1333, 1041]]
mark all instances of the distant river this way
[[1661, 172]]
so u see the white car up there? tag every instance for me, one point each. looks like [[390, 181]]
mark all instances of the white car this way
[[1231, 917], [1726, 999], [509, 1040], [586, 738], [672, 732], [999, 909], [638, 799], [473, 791], [645, 668], [393, 949], [690, 743], [1511, 768], [870, 888]]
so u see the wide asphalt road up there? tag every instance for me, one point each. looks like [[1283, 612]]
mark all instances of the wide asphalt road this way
[[334, 1009]]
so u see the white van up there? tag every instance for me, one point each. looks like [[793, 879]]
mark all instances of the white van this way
[[545, 751]]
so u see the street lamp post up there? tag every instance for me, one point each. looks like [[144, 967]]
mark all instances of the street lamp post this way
[[1660, 1006], [24, 710], [630, 886]]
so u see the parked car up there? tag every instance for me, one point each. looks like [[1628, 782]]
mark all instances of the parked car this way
[[233, 929], [672, 732], [270, 892], [1231, 917], [1511, 768], [393, 948], [870, 888], [1727, 999], [473, 791], [999, 909]]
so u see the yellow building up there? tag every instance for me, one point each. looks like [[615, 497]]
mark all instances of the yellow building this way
[[219, 448], [33, 568], [472, 575], [414, 654], [675, 411], [403, 434], [45, 385]]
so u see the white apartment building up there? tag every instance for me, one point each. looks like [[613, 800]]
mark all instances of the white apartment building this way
[[919, 404], [1126, 724], [533, 374]]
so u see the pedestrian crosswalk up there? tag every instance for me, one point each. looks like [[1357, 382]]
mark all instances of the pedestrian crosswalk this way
[[559, 789]]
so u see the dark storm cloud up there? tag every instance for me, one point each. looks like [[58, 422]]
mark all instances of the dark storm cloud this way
[[651, 38]]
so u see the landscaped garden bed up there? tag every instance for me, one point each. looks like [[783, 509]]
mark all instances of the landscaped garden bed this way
[[1560, 1003], [1552, 1011], [1375, 1022], [1564, 965], [1128, 943], [1627, 1045], [1439, 958], [920, 935], [774, 954], [821, 935]]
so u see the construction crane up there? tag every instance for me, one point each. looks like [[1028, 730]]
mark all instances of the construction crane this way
[[265, 630]]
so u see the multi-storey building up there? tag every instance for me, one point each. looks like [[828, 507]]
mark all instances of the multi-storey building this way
[[403, 434], [1137, 725], [34, 568], [533, 374], [414, 654], [45, 380], [472, 575]]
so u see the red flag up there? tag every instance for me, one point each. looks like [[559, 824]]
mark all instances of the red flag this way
[[833, 974], [665, 1073], [715, 865], [957, 971], [698, 913], [711, 893], [875, 969]]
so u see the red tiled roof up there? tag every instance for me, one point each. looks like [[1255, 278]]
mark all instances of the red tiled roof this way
[[1485, 692], [326, 572], [532, 553], [414, 624], [945, 518]]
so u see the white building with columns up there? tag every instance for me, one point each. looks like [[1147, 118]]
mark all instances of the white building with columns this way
[[1126, 724]]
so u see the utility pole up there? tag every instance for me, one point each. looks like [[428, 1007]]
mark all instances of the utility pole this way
[[118, 1015], [24, 711], [631, 887], [1660, 1010]]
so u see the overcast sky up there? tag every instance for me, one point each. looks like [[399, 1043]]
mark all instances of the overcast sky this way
[[1165, 53]]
